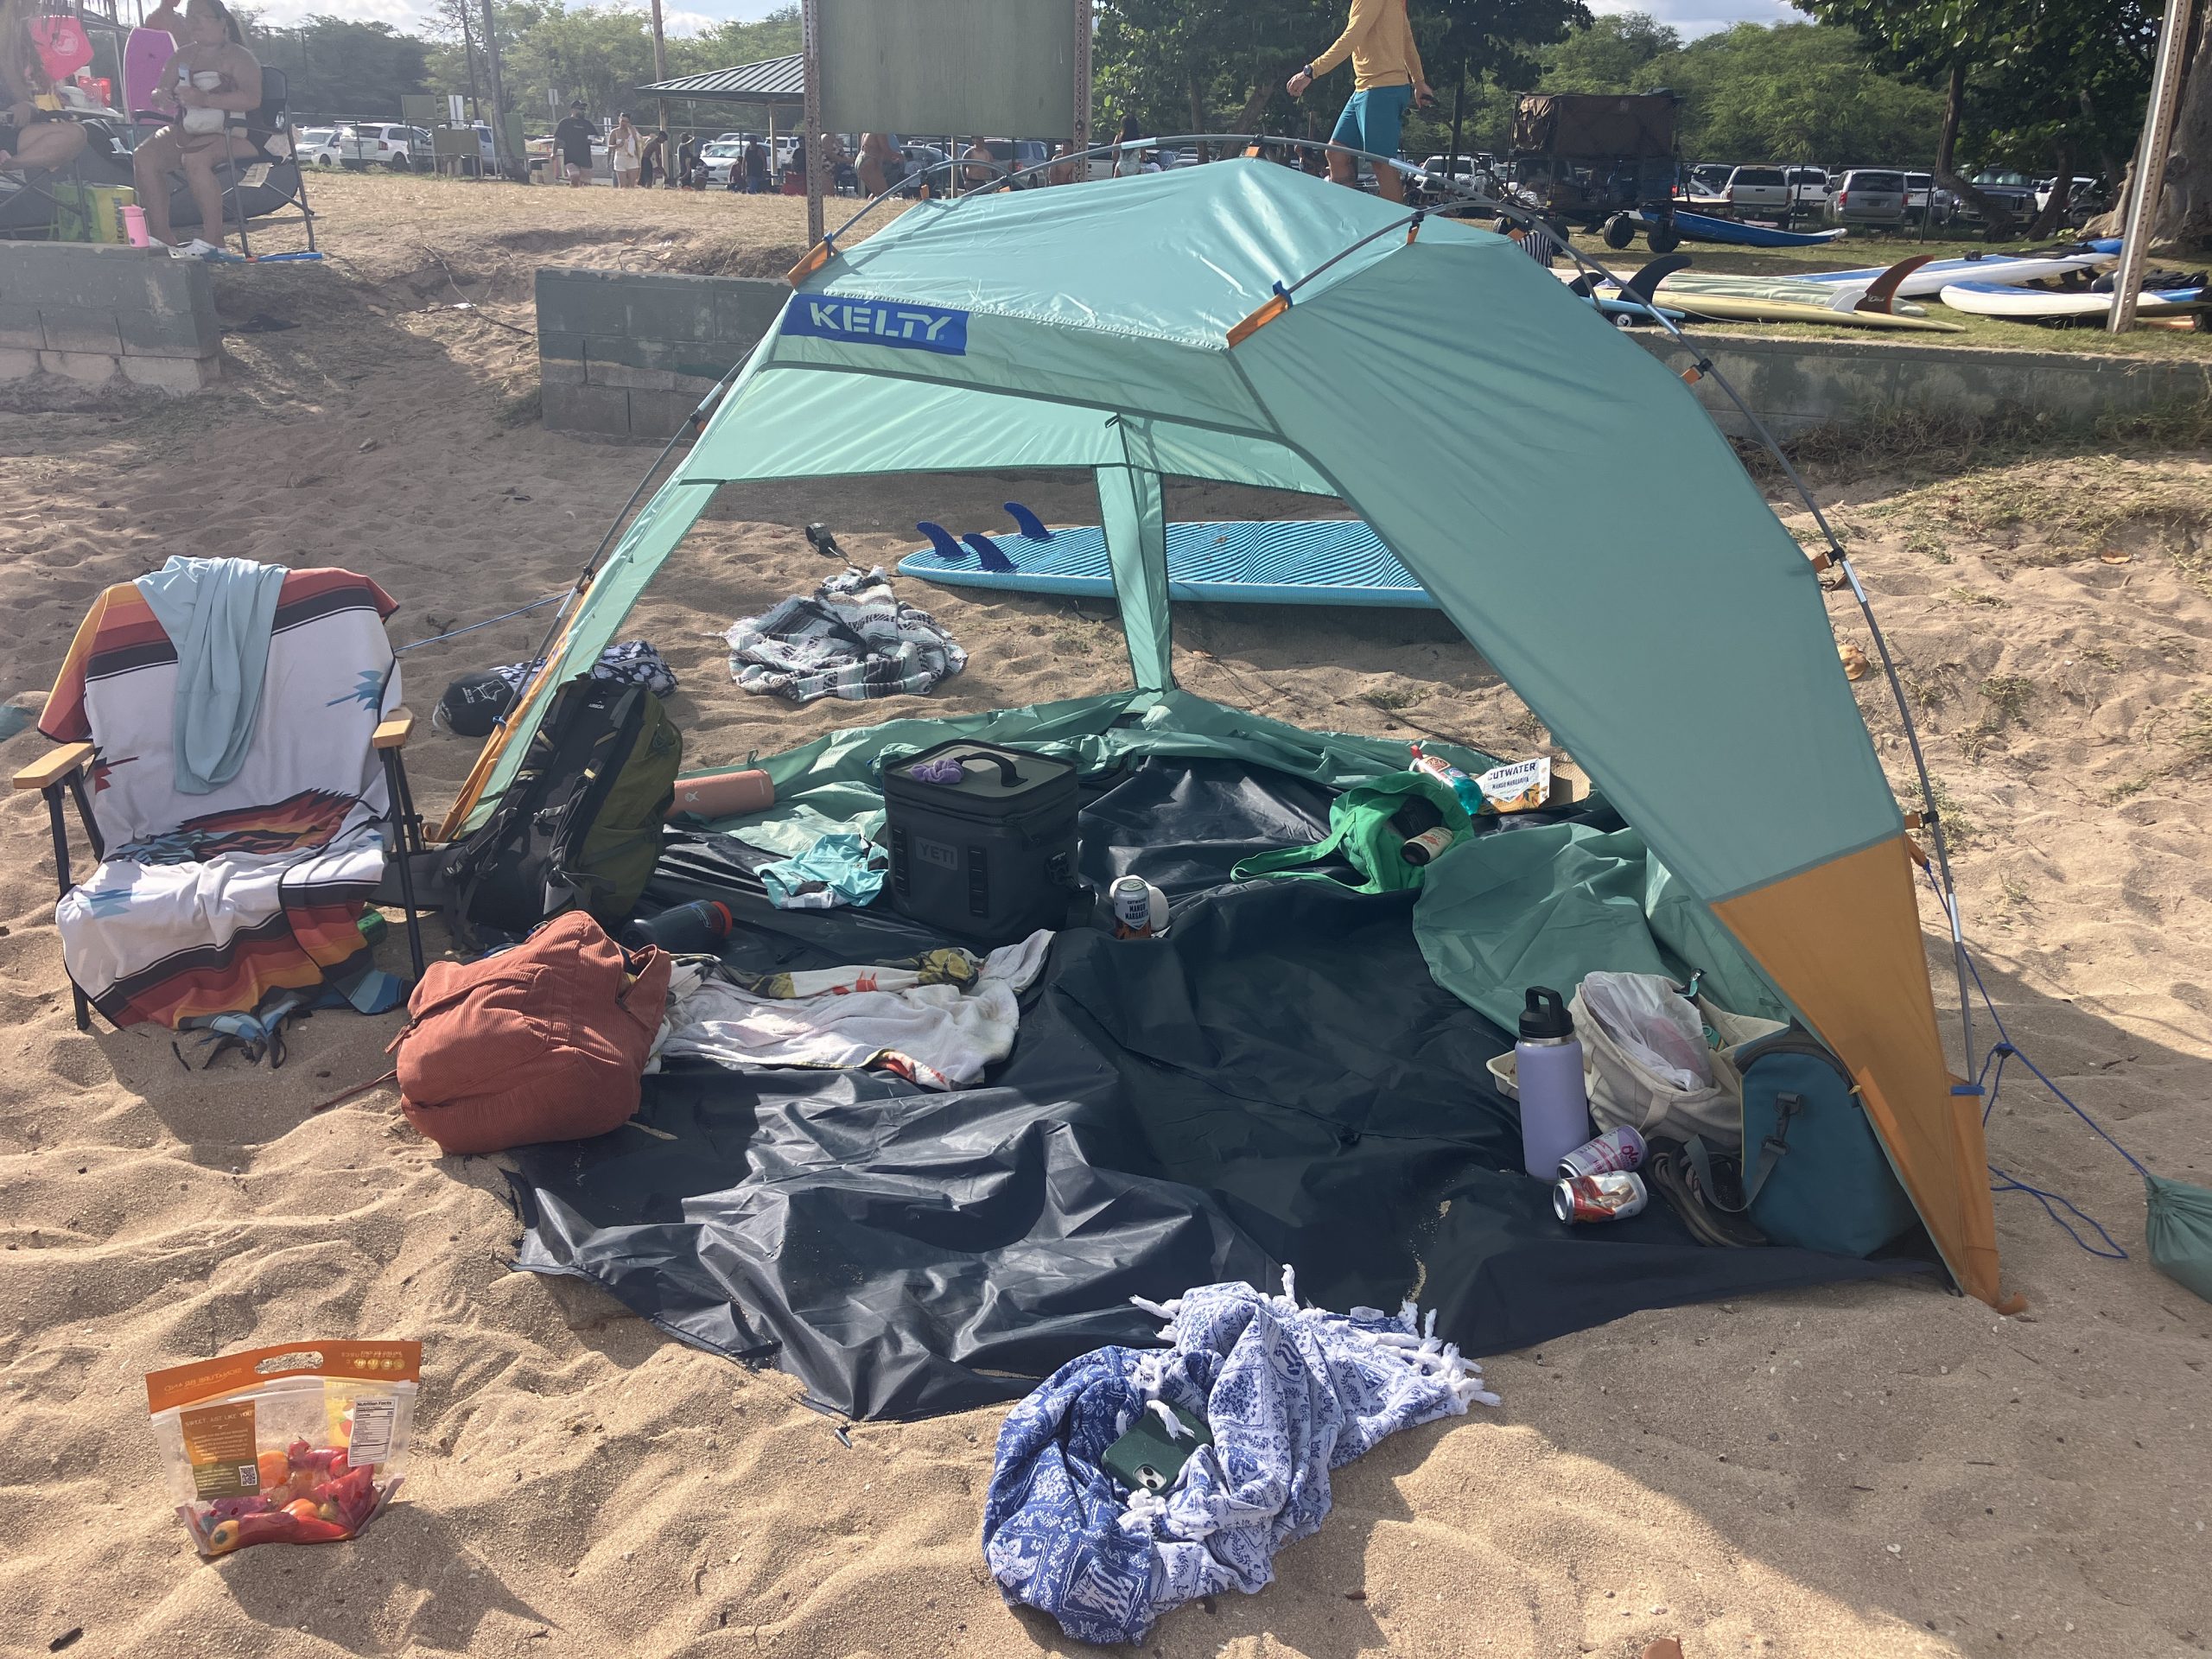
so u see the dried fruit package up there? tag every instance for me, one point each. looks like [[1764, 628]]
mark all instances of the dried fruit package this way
[[294, 1445]]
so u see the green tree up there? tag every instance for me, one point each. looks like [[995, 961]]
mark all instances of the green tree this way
[[1796, 91], [1609, 53], [334, 65]]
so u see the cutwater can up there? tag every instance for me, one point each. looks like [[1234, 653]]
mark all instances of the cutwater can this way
[[1612, 1197], [1131, 897], [1620, 1149]]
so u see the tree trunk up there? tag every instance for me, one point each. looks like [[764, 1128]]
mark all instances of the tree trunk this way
[[2184, 216], [2188, 174], [1458, 111], [1198, 115], [1954, 101], [1994, 214], [2061, 196]]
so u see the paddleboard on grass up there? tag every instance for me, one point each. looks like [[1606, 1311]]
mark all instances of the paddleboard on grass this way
[[2043, 304], [1933, 277], [1697, 228], [1716, 297], [145, 55], [1297, 561]]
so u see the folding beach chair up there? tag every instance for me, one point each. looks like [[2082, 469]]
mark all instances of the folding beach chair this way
[[203, 903], [269, 128]]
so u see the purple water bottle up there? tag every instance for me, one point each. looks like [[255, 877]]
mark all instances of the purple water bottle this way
[[1547, 1073]]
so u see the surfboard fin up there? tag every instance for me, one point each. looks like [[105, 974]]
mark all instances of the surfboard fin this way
[[941, 538], [1031, 526], [1645, 283], [1882, 296], [989, 551]]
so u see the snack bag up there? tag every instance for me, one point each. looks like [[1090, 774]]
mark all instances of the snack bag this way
[[294, 1445]]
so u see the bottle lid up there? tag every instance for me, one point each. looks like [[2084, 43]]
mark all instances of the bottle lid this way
[[1543, 1014]]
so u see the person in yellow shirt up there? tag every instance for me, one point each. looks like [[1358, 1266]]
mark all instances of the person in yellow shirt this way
[[1386, 78]]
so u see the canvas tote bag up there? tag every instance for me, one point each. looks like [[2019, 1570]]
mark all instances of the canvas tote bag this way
[[1626, 1088]]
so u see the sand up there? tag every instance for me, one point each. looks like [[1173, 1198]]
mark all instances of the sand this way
[[1878, 1470]]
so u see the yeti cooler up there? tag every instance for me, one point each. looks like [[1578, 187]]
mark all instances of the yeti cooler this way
[[989, 857]]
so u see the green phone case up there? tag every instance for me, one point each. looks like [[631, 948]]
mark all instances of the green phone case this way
[[1146, 1458]]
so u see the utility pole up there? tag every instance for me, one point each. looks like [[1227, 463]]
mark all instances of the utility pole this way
[[2150, 173], [500, 156], [660, 66]]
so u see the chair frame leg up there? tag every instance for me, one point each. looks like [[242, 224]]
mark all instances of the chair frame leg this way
[[410, 837], [53, 793]]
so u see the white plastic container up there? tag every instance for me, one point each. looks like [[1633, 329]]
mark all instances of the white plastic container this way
[[1548, 1067]]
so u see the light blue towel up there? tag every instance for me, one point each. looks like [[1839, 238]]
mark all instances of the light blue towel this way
[[217, 614], [838, 869]]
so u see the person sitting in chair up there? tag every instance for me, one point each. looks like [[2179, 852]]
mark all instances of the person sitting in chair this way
[[211, 78], [33, 132]]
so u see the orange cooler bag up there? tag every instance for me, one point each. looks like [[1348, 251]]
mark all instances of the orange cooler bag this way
[[543, 1042]]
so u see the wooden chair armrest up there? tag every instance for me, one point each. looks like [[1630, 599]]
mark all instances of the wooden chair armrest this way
[[55, 764], [393, 731]]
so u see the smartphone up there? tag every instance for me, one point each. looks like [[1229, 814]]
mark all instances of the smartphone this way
[[1147, 1457]]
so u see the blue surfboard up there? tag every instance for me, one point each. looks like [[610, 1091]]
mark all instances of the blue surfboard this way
[[1291, 562]]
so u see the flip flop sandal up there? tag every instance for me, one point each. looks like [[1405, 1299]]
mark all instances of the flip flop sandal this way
[[1668, 1172]]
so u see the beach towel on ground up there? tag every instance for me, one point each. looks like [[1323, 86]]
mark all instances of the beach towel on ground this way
[[206, 903], [922, 1019], [852, 640], [217, 613], [1287, 1392]]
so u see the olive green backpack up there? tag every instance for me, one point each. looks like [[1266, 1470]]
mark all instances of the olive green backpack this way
[[1360, 832]]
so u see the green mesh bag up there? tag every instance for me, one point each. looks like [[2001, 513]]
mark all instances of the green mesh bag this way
[[2179, 1229]]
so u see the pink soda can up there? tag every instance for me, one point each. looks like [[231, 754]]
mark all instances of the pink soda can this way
[[1616, 1149]]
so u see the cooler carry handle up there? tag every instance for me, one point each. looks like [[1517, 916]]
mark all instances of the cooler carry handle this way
[[1009, 775]]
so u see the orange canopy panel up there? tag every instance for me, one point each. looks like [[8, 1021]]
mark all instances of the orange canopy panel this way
[[1842, 941]]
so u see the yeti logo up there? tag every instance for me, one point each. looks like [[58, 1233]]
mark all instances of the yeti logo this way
[[878, 322]]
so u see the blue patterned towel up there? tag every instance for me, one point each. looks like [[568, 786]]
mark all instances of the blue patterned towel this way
[[1288, 1393]]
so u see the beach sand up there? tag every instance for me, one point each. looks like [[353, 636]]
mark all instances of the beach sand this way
[[1873, 1469]]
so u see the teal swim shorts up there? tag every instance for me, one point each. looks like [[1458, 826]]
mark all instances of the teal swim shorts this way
[[1371, 118]]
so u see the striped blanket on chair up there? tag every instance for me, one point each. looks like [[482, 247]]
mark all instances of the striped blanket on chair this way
[[205, 903]]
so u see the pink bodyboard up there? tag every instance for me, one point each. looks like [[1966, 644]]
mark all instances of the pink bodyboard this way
[[145, 55]]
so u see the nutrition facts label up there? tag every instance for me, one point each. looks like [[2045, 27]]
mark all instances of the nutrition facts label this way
[[371, 1441]]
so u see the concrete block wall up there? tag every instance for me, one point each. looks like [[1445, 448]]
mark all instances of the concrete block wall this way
[[629, 355], [94, 313], [1794, 385]]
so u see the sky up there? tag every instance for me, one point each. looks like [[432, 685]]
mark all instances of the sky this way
[[1692, 17]]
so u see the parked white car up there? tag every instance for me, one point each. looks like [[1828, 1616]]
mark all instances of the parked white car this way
[[375, 144], [1808, 189], [1922, 199], [320, 146], [720, 158]]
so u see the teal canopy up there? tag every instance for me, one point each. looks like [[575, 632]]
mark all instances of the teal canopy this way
[[1555, 487], [1559, 493]]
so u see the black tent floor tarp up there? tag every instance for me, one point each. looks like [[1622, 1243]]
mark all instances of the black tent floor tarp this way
[[1279, 1081]]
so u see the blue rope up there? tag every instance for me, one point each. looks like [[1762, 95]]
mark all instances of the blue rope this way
[[455, 634], [1993, 1075]]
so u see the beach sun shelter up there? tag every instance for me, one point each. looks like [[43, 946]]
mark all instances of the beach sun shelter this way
[[1561, 494]]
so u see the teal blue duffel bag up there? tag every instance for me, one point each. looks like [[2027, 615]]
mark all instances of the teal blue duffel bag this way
[[1815, 1173]]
